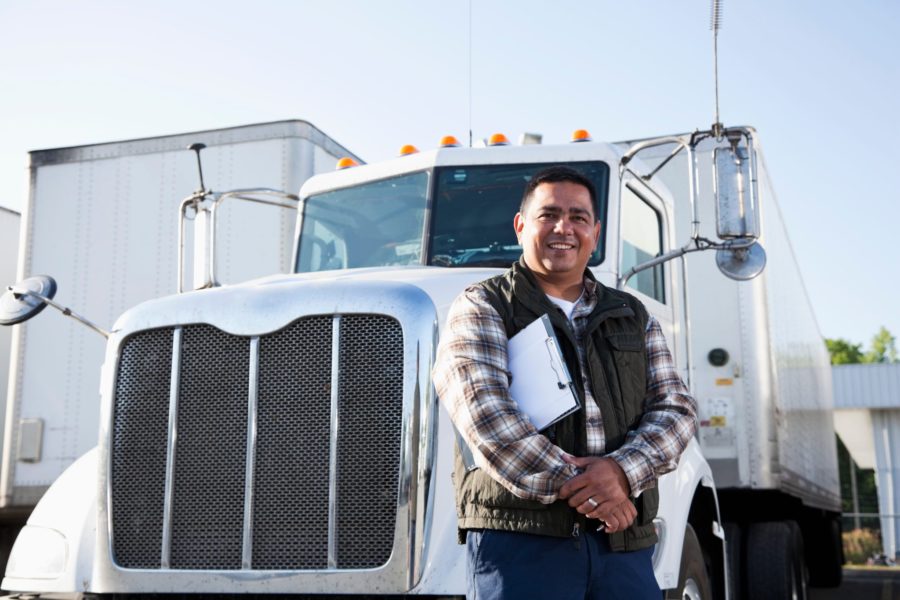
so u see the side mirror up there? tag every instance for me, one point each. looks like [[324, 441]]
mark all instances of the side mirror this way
[[20, 302], [28, 297], [743, 263], [737, 199], [737, 207]]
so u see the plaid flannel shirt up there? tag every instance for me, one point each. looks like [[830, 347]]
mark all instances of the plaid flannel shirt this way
[[472, 381]]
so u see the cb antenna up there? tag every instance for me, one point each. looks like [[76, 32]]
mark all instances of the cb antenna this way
[[715, 23], [197, 148], [470, 73]]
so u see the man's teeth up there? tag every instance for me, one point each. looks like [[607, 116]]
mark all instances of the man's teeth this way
[[559, 246]]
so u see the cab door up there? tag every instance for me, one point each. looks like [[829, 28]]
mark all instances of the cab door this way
[[645, 232]]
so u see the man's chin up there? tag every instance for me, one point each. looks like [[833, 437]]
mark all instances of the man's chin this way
[[559, 267]]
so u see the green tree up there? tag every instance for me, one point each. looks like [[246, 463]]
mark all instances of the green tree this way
[[843, 352], [883, 348]]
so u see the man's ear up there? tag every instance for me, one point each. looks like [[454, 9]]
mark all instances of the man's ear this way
[[518, 225], [597, 229]]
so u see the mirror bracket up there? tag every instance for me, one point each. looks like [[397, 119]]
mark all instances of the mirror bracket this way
[[27, 298]]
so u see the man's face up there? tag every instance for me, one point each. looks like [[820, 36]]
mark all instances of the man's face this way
[[558, 231]]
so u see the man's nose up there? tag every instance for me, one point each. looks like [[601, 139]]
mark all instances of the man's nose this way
[[563, 225]]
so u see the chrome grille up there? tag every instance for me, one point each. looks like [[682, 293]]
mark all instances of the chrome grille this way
[[283, 520]]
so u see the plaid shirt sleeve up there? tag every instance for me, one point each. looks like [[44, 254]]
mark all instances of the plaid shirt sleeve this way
[[472, 380], [668, 423]]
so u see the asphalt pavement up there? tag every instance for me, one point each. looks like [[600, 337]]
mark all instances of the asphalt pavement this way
[[863, 584]]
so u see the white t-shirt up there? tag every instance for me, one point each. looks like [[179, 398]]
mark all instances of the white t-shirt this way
[[566, 306]]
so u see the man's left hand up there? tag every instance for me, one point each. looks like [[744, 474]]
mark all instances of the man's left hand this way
[[601, 492]]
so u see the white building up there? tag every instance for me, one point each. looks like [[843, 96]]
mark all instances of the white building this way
[[867, 417]]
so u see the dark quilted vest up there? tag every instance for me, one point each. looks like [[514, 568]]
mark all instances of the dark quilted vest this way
[[617, 362]]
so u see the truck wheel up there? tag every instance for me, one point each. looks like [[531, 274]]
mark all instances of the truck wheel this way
[[734, 540], [799, 558], [693, 579], [772, 563]]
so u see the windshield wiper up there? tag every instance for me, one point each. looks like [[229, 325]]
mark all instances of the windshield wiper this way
[[485, 262]]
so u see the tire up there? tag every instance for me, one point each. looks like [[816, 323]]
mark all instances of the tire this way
[[799, 559], [734, 542], [693, 578], [772, 563]]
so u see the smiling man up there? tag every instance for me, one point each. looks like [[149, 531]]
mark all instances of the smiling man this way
[[566, 512]]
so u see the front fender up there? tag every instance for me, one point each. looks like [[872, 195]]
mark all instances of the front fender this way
[[676, 495], [54, 551]]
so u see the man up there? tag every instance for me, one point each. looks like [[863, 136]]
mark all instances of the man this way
[[532, 511]]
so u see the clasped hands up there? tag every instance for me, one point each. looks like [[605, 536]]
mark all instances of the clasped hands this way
[[600, 492]]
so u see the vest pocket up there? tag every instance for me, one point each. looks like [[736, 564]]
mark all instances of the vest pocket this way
[[631, 368]]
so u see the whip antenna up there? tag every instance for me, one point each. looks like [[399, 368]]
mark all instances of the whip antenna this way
[[715, 23], [470, 73]]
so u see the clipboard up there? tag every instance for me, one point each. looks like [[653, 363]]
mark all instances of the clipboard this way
[[541, 384]]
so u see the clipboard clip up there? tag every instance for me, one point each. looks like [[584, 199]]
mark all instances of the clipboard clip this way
[[561, 379]]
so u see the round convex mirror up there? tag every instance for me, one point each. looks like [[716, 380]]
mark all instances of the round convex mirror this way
[[741, 264], [17, 307]]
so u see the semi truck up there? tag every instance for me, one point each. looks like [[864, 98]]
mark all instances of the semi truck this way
[[282, 435]]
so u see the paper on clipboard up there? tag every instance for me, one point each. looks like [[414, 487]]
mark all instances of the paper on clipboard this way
[[541, 384]]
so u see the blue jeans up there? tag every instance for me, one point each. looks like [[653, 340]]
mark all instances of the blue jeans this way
[[515, 566]]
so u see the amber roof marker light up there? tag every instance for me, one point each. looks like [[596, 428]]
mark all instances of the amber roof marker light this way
[[581, 135], [498, 139], [346, 163]]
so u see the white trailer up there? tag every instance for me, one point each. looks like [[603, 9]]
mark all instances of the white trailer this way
[[9, 250], [282, 436], [103, 219]]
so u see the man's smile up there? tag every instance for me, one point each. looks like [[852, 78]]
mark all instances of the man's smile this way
[[561, 245]]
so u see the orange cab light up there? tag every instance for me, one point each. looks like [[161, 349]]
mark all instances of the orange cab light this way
[[345, 163], [449, 141], [408, 149], [498, 139], [581, 135]]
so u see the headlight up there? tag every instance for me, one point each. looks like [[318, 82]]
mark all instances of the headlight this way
[[39, 553]]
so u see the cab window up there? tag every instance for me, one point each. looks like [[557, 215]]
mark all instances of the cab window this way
[[641, 241]]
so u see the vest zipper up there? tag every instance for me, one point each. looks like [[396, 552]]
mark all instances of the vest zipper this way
[[576, 535]]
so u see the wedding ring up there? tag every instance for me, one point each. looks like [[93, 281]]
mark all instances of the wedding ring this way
[[592, 502]]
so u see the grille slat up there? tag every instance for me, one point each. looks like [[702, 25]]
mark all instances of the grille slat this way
[[370, 400], [292, 451], [138, 464], [210, 451], [290, 520]]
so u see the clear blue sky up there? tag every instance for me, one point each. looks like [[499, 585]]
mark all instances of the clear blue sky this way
[[819, 80]]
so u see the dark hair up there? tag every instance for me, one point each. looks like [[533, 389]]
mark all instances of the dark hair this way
[[557, 174]]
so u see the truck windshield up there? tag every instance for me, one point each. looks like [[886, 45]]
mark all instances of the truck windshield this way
[[472, 222], [373, 224], [382, 223]]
